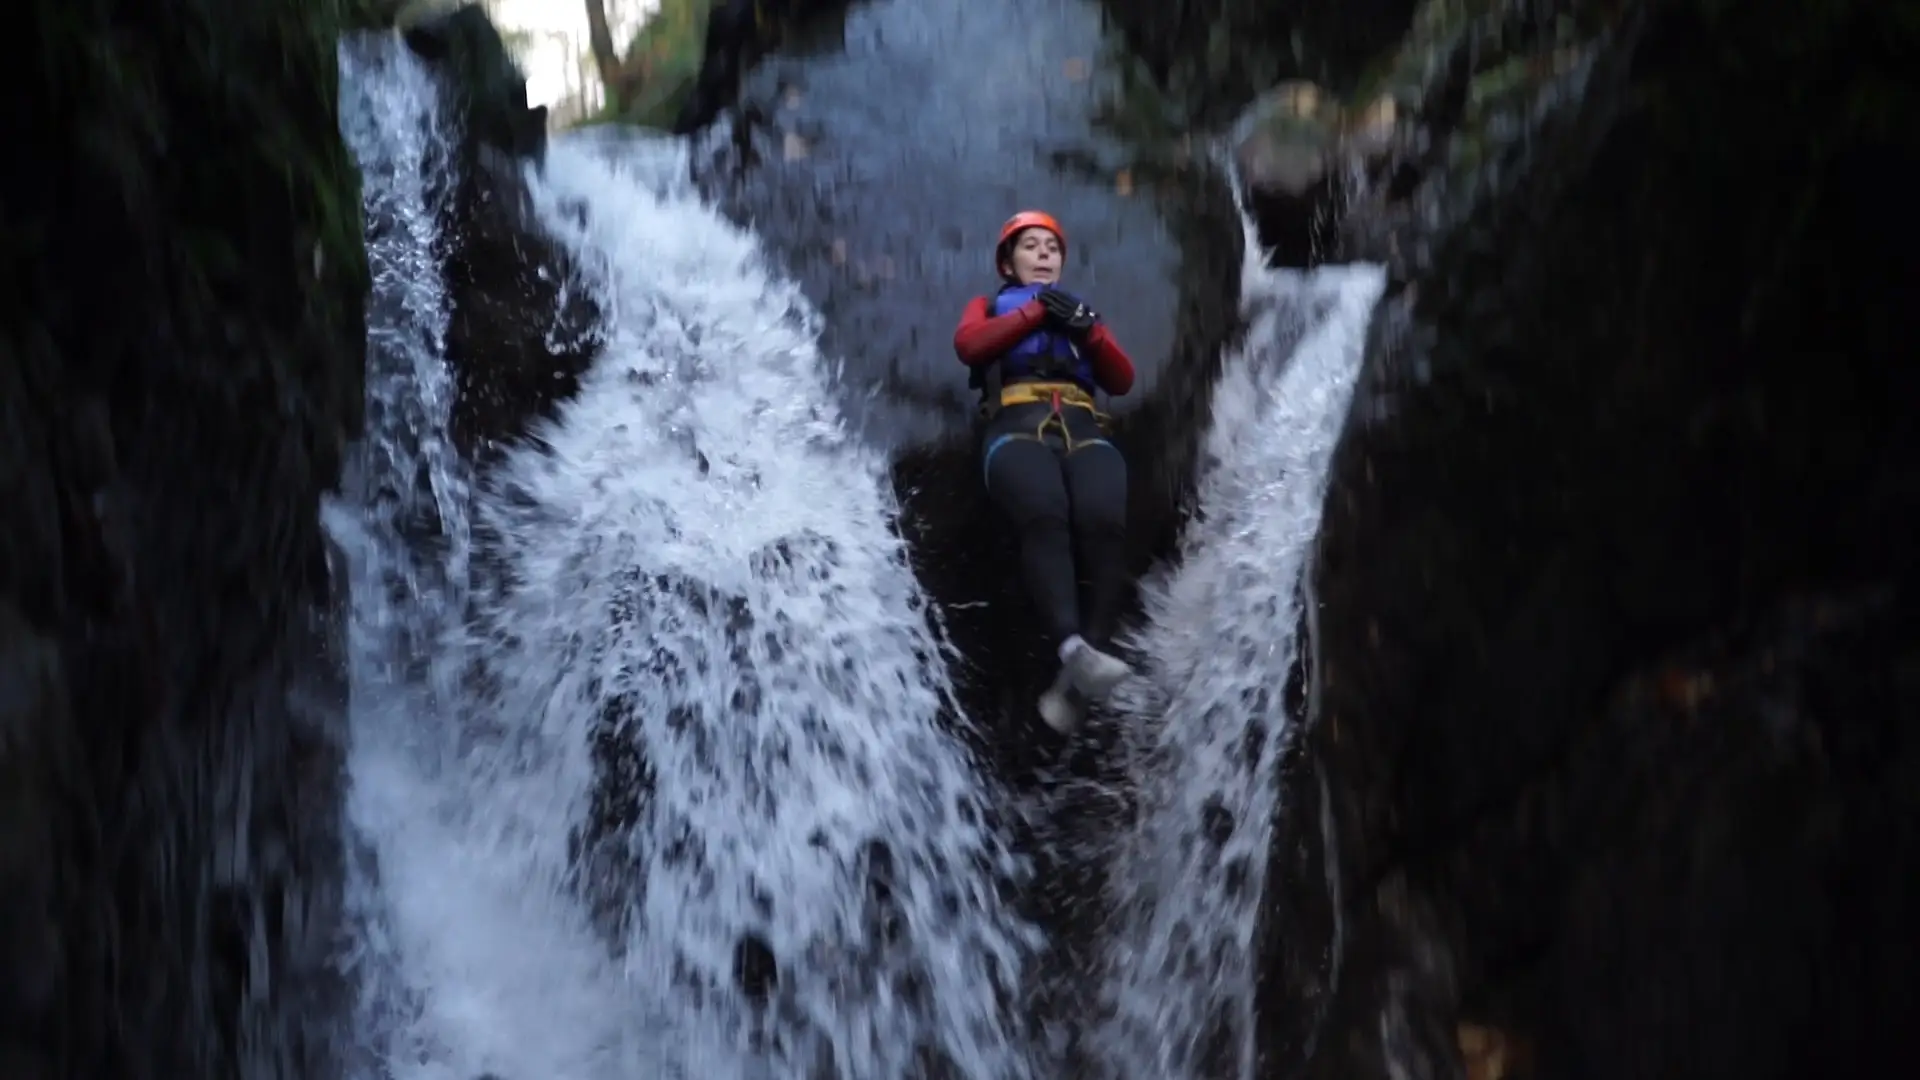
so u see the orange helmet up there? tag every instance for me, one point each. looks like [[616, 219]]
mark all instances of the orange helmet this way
[[1020, 222]]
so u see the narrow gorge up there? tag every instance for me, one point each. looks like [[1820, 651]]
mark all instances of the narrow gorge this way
[[484, 600]]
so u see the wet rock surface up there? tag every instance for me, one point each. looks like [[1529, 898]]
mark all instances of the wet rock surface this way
[[519, 338], [1272, 80], [878, 157], [1217, 56], [738, 34], [178, 376], [1615, 646], [1298, 153]]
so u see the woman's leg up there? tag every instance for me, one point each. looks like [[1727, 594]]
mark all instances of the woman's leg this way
[[1024, 479], [1097, 489], [1096, 479]]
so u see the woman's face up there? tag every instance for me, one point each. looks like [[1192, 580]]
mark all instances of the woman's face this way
[[1035, 257]]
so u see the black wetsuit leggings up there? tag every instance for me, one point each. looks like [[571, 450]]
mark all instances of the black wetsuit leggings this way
[[1064, 488]]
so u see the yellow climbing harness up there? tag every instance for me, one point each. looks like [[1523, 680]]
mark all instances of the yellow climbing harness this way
[[1055, 394]]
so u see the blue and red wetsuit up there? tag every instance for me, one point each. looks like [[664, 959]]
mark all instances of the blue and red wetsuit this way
[[1046, 459]]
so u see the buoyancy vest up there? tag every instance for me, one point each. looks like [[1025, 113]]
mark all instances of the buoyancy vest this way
[[1043, 354]]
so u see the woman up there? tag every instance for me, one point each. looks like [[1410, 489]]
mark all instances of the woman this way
[[1044, 455]]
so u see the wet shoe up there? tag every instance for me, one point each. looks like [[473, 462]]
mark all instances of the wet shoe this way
[[1058, 707], [1093, 672]]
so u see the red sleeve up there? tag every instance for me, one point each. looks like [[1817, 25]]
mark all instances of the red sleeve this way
[[1112, 367], [981, 340]]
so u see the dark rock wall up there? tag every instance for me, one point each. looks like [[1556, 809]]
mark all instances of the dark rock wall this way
[[1215, 56], [1616, 653], [179, 370]]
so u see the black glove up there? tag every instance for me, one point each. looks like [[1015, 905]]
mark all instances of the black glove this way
[[1067, 314]]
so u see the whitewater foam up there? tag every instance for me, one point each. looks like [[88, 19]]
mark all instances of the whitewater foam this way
[[1206, 722], [702, 811]]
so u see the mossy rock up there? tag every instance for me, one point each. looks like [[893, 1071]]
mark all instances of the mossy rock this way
[[661, 65], [181, 368], [1218, 56], [1456, 100]]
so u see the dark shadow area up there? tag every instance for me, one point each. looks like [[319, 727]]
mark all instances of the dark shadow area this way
[[1617, 640], [180, 371]]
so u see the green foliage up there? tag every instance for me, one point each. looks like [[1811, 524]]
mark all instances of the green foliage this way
[[664, 61]]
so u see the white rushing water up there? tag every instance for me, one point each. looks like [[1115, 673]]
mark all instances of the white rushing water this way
[[692, 714], [401, 525], [1207, 718], [653, 767]]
